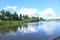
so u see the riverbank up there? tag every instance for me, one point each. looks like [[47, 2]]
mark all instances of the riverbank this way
[[10, 23]]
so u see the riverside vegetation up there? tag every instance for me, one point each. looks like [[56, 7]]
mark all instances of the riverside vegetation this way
[[8, 19]]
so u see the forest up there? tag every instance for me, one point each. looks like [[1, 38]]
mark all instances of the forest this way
[[8, 16], [13, 19]]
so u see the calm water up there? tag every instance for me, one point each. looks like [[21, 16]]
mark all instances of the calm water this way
[[31, 31]]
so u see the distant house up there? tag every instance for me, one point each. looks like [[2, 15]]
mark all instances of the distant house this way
[[4, 18]]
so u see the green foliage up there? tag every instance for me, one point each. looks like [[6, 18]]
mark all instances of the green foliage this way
[[41, 19], [10, 23], [7, 16], [3, 13], [20, 17], [34, 19], [15, 16], [25, 17], [12, 19]]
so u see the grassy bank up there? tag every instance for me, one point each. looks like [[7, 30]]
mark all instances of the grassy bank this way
[[10, 23]]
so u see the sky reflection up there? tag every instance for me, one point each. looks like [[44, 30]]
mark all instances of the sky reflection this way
[[37, 30], [48, 28]]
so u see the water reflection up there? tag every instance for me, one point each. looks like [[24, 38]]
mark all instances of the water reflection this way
[[7, 29], [48, 28], [36, 28], [31, 28]]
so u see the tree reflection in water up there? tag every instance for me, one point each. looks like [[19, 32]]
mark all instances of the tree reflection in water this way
[[37, 29]]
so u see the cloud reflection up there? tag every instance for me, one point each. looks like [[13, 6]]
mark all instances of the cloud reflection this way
[[47, 27], [30, 29]]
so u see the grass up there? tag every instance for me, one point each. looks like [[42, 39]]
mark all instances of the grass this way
[[10, 23]]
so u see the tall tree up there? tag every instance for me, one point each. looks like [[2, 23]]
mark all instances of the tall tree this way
[[20, 17], [3, 13], [0, 16], [7, 13], [15, 16], [37, 19], [25, 16], [41, 19]]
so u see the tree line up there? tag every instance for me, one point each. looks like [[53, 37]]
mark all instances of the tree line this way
[[8, 16]]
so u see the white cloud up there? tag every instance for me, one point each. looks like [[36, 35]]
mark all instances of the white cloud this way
[[33, 11], [47, 13], [10, 7], [28, 11]]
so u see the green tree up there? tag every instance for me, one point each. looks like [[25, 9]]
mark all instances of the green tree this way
[[15, 16], [25, 16], [33, 19], [37, 19], [7, 13], [41, 19], [20, 17], [3, 13], [11, 17], [0, 16]]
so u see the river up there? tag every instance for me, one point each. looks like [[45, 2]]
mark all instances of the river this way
[[32, 31]]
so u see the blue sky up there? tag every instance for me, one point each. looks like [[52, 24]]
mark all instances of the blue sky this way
[[46, 8]]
